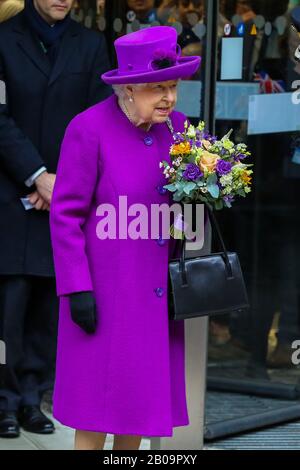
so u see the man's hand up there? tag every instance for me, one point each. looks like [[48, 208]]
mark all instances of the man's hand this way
[[45, 184], [38, 202]]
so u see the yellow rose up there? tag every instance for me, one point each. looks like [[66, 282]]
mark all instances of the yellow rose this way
[[208, 161]]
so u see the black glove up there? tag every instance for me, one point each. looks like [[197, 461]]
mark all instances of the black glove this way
[[83, 311]]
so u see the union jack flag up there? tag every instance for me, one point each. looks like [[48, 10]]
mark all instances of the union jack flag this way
[[267, 85]]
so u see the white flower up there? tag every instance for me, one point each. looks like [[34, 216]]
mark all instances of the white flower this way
[[161, 165], [191, 132], [226, 180], [241, 147], [228, 190]]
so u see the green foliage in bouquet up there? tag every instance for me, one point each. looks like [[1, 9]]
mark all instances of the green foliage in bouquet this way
[[205, 169]]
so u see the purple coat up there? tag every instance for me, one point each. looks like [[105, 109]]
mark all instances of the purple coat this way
[[128, 377]]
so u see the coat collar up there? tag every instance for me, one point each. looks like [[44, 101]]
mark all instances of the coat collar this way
[[30, 45]]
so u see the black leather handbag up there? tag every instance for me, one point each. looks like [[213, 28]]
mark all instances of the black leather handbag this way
[[207, 285]]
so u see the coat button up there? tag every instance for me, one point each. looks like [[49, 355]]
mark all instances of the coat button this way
[[159, 291], [161, 190], [148, 140], [160, 241]]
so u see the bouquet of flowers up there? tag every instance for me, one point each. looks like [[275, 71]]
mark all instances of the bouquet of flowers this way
[[204, 169]]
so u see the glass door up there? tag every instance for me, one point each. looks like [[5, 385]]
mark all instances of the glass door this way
[[257, 95]]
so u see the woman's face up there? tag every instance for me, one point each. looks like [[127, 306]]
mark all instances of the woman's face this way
[[154, 101]]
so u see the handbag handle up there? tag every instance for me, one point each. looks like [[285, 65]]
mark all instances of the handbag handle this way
[[215, 225]]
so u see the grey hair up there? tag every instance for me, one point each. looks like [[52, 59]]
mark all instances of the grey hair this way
[[119, 90]]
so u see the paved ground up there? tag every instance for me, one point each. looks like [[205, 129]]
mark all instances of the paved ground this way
[[279, 437], [62, 439]]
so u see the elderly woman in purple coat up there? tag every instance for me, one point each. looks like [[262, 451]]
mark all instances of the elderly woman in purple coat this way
[[120, 359]]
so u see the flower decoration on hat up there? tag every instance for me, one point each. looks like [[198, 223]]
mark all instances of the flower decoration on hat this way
[[163, 59]]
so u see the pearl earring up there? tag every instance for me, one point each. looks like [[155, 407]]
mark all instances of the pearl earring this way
[[131, 100]]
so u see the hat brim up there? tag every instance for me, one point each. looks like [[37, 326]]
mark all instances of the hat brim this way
[[185, 67]]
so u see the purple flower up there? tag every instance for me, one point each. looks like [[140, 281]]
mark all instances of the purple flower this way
[[192, 172], [211, 138], [163, 59], [240, 156], [179, 138], [223, 168], [229, 199]]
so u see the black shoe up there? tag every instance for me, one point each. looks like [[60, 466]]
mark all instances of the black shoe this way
[[33, 420], [9, 425]]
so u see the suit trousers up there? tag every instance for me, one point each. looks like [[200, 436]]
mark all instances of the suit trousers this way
[[28, 326]]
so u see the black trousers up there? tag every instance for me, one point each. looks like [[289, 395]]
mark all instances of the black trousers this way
[[28, 326]]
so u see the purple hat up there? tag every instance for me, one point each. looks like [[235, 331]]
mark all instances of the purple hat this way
[[150, 55]]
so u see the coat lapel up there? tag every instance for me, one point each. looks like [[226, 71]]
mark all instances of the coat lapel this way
[[30, 45], [65, 51]]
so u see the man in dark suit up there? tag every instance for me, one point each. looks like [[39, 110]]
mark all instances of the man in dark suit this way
[[51, 67]]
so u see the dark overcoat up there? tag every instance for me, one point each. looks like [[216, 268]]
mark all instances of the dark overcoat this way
[[41, 100]]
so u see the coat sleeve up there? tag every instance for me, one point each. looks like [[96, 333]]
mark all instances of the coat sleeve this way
[[98, 90], [74, 187], [18, 156]]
